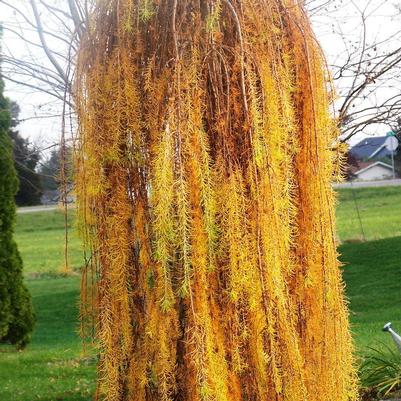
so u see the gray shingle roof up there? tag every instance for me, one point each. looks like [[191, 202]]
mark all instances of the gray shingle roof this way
[[368, 146]]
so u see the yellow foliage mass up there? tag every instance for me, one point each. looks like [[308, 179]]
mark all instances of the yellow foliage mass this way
[[203, 165]]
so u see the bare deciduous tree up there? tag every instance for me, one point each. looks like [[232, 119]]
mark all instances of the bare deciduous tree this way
[[365, 62], [50, 31]]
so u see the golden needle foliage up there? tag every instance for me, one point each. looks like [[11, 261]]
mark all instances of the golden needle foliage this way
[[203, 178]]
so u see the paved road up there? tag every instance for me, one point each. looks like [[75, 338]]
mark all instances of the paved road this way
[[367, 184], [33, 209]]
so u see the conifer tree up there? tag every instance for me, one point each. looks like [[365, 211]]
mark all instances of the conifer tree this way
[[16, 313], [26, 159], [204, 161]]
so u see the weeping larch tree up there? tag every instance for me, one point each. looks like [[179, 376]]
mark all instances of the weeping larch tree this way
[[203, 167]]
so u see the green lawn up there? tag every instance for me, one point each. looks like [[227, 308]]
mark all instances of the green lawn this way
[[40, 237], [53, 367], [379, 209], [372, 272]]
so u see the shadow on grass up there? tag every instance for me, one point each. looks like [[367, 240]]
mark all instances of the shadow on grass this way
[[372, 273]]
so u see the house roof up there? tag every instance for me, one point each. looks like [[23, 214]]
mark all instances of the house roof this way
[[364, 166], [370, 147]]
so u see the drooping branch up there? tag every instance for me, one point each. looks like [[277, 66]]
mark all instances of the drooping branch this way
[[203, 170]]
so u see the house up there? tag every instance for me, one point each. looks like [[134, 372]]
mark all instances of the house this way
[[371, 148], [370, 159], [372, 171]]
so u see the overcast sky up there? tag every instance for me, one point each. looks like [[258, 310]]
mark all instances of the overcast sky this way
[[340, 16]]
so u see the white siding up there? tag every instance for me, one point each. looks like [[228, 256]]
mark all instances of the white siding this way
[[377, 172]]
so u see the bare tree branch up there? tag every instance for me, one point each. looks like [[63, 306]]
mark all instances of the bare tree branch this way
[[365, 71], [365, 68], [48, 52]]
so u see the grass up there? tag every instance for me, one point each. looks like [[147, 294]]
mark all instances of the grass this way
[[40, 237], [372, 269], [372, 273], [379, 208], [53, 368]]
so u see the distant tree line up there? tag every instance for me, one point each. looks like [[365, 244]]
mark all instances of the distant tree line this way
[[36, 173], [26, 158]]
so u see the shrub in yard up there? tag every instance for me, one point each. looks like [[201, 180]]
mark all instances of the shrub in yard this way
[[16, 314], [381, 372]]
